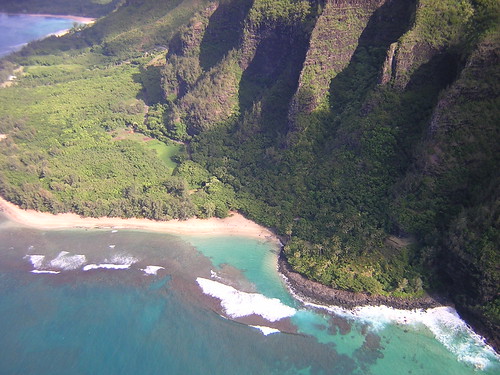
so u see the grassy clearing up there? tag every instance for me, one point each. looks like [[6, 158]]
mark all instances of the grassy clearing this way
[[164, 151]]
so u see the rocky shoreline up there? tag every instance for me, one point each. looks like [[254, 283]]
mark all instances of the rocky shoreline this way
[[324, 295], [320, 294]]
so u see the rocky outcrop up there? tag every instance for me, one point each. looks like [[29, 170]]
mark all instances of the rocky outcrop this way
[[188, 40], [324, 295], [408, 57], [388, 67]]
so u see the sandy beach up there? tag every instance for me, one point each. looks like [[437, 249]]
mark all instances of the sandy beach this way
[[235, 224]]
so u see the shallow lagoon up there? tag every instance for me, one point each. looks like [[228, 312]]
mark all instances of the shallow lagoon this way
[[121, 319]]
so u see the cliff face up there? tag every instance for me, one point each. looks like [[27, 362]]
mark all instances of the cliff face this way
[[331, 46], [343, 31], [231, 52]]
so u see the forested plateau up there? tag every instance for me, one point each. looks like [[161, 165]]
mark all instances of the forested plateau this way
[[365, 132]]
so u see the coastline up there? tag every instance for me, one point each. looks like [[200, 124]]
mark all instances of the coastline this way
[[79, 19], [318, 293], [235, 224], [58, 33], [322, 295]]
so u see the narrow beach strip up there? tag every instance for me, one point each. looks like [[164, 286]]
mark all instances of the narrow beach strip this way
[[235, 224]]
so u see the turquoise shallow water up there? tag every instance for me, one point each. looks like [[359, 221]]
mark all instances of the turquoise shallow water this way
[[17, 30], [125, 321]]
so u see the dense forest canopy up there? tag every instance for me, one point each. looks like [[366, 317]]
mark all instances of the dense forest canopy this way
[[365, 132]]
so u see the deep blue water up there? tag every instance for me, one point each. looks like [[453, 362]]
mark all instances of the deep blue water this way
[[125, 321], [17, 30]]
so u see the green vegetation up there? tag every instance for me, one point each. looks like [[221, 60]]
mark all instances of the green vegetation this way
[[444, 22], [59, 154], [278, 11], [380, 168], [72, 144], [167, 152]]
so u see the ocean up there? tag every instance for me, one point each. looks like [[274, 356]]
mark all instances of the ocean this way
[[18, 30], [108, 301]]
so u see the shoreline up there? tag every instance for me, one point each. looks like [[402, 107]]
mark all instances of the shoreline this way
[[59, 33], [80, 19], [314, 292], [235, 224]]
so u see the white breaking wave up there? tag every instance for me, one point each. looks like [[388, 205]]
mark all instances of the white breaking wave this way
[[36, 260], [46, 271], [238, 304], [152, 270], [266, 330], [108, 266], [68, 262], [123, 259], [458, 337], [214, 275], [117, 262], [444, 323]]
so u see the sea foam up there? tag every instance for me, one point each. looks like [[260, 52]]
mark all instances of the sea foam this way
[[123, 259], [152, 270], [117, 262], [108, 266], [238, 304], [36, 260], [444, 323], [68, 262], [214, 275], [45, 271]]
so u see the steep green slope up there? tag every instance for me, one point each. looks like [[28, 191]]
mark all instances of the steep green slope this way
[[449, 197], [365, 132]]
